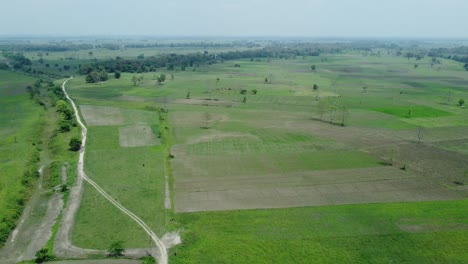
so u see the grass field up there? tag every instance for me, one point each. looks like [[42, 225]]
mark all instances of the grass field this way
[[125, 158], [19, 145], [270, 149], [429, 232]]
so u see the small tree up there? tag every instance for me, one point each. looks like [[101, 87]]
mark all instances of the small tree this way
[[207, 117], [75, 144], [161, 78], [315, 87], [135, 80], [116, 249], [461, 102], [117, 75], [43, 255], [244, 100], [313, 67], [266, 79]]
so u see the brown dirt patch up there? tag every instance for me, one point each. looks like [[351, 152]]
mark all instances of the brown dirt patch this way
[[102, 115], [318, 188], [137, 136]]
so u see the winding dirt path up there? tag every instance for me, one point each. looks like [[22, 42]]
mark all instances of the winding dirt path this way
[[162, 256]]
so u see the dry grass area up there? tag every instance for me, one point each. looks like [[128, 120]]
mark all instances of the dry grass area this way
[[102, 115], [311, 188], [137, 136]]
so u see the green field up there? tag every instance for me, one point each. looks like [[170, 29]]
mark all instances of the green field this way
[[430, 232], [275, 151], [19, 144]]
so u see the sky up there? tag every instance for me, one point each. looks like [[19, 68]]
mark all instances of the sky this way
[[306, 18]]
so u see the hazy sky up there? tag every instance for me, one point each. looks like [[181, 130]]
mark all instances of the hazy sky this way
[[315, 18]]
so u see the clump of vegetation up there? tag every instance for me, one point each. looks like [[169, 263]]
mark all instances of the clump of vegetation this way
[[161, 78], [116, 249], [43, 255], [75, 144], [97, 76], [148, 260], [461, 102]]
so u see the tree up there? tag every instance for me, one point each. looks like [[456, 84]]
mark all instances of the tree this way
[[135, 80], [161, 78], [90, 54], [75, 144], [43, 255], [117, 75], [416, 66], [344, 112], [244, 100], [172, 77], [461, 102], [266, 79], [315, 87], [97, 76], [207, 117], [313, 67], [364, 89], [466, 66], [116, 249], [322, 107]]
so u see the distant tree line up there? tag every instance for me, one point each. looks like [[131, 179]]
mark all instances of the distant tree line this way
[[66, 46], [17, 47], [182, 61], [459, 54], [18, 60]]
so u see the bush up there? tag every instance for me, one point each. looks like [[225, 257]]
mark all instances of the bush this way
[[43, 255], [116, 249], [75, 144]]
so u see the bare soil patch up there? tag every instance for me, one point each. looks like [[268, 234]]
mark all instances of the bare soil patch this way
[[137, 136], [215, 135], [102, 115], [318, 188]]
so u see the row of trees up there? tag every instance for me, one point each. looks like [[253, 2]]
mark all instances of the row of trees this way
[[171, 61]]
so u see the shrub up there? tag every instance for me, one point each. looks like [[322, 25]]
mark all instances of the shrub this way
[[75, 144]]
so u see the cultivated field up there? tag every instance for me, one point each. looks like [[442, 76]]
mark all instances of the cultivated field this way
[[316, 190]]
